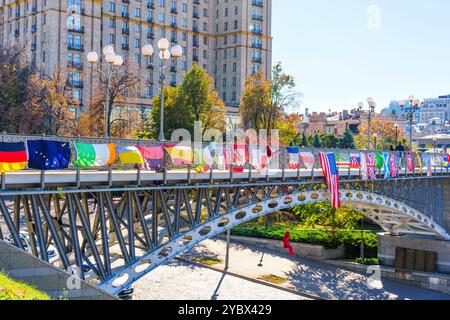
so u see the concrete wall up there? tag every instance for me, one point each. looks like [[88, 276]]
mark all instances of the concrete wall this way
[[24, 267], [387, 248], [307, 251]]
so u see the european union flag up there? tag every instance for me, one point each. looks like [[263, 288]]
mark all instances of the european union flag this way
[[48, 155]]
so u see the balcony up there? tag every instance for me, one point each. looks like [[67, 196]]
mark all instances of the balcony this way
[[150, 66], [126, 1], [173, 69], [75, 83], [195, 29], [151, 5], [257, 3], [76, 30], [195, 58], [125, 47], [126, 31], [196, 44], [33, 28], [257, 59], [125, 15], [195, 15], [257, 45], [173, 84], [174, 10], [16, 33], [173, 40], [76, 65], [33, 47], [173, 24], [257, 17], [76, 47], [257, 31], [34, 10], [17, 15], [150, 20], [150, 36], [197, 2]]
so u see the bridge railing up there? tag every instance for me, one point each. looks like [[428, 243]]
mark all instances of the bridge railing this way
[[282, 159]]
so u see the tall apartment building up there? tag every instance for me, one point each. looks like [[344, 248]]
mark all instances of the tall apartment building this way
[[229, 38]]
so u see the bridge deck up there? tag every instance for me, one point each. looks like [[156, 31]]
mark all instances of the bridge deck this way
[[30, 178]]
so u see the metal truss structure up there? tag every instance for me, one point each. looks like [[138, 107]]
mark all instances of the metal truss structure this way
[[114, 236]]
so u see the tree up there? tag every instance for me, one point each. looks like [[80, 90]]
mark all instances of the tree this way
[[385, 131], [194, 100], [304, 142], [329, 140], [265, 101], [317, 142], [18, 109], [347, 141], [125, 83]]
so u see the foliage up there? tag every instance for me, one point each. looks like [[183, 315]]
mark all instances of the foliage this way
[[304, 142], [385, 131], [347, 141], [125, 83], [287, 127], [329, 140], [194, 100], [317, 142], [265, 101], [322, 214], [14, 290], [368, 261]]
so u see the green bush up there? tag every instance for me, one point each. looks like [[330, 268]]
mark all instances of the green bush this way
[[368, 261], [350, 240]]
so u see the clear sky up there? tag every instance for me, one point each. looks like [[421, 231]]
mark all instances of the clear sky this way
[[343, 51]]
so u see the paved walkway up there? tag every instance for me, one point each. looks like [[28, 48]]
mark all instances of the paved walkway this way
[[182, 281], [303, 275]]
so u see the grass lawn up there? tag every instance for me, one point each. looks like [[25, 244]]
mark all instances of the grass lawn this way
[[207, 261], [14, 290], [273, 279]]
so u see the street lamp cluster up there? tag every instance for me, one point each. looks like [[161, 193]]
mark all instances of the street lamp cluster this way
[[114, 60], [414, 106]]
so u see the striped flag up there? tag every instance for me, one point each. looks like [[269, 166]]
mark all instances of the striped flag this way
[[331, 174]]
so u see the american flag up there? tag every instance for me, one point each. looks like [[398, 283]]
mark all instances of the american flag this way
[[331, 174]]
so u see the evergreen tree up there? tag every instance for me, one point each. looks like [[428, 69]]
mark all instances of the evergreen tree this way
[[317, 143], [304, 142], [347, 141]]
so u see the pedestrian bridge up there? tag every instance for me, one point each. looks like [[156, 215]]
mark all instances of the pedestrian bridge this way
[[112, 226]]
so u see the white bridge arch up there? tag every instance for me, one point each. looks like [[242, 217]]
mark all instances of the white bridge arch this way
[[393, 216]]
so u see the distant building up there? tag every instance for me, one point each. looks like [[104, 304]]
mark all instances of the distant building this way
[[336, 123], [435, 108]]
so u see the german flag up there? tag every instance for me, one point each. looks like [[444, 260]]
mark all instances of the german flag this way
[[13, 156]]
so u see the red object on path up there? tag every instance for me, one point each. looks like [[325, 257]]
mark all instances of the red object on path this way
[[287, 243]]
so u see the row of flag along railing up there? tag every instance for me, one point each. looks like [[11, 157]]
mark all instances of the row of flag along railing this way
[[40, 154]]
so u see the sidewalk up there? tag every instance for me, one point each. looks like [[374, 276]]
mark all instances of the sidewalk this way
[[325, 280]]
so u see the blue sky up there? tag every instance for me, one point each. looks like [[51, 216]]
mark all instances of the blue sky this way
[[340, 53]]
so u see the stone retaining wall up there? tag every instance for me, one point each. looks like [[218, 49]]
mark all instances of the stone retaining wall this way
[[22, 266]]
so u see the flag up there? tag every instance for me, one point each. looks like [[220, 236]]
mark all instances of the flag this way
[[308, 160], [371, 167], [153, 158], [94, 155], [294, 160], [427, 162], [331, 174], [180, 155], [355, 160], [410, 161], [364, 171], [387, 168], [394, 165], [129, 155], [342, 160], [203, 160], [48, 155], [13, 156], [379, 161]]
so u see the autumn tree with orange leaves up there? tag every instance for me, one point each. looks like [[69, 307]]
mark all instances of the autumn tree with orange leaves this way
[[385, 132]]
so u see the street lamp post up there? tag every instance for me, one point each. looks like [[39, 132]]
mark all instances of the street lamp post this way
[[164, 54], [396, 134], [434, 144], [372, 105], [112, 60], [414, 107]]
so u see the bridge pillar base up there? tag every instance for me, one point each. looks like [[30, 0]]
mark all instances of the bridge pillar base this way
[[387, 246]]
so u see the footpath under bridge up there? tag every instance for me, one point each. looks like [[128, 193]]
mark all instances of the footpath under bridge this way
[[118, 224]]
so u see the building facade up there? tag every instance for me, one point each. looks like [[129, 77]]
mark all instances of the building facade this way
[[231, 39], [434, 108]]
